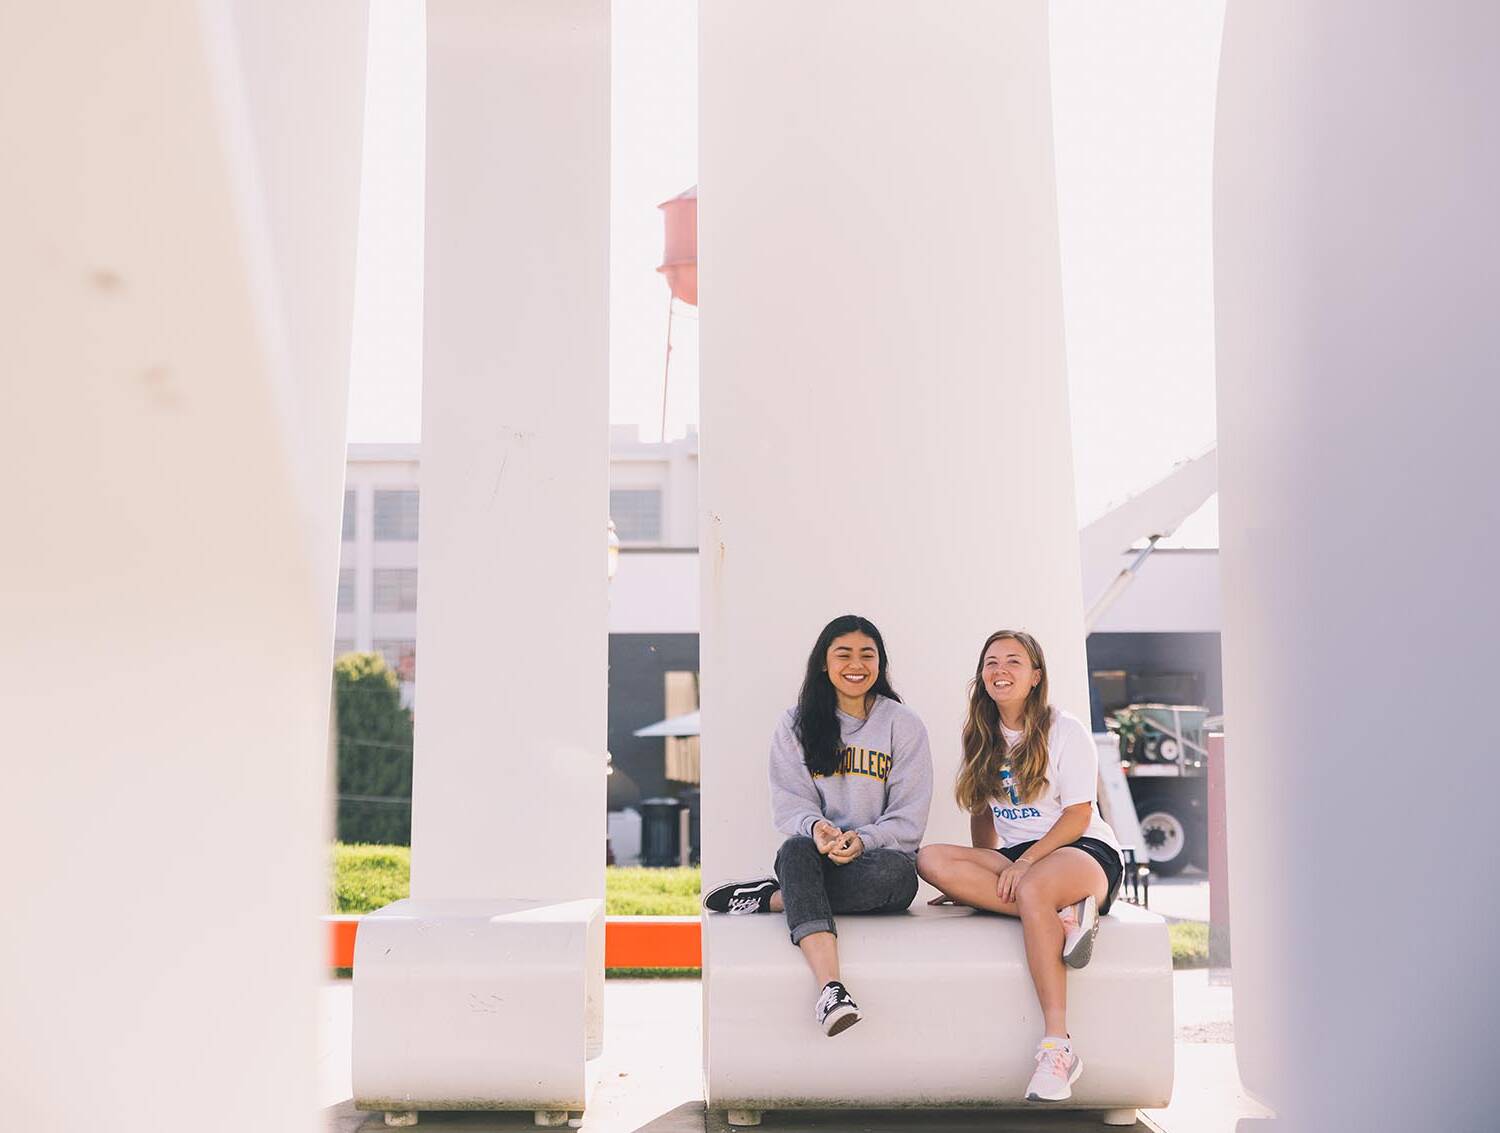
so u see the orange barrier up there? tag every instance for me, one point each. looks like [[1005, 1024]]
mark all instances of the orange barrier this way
[[341, 932], [629, 942], [653, 942]]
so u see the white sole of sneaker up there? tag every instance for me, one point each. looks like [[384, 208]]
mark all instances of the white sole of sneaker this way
[[839, 1020], [1065, 1093], [1082, 949], [720, 894]]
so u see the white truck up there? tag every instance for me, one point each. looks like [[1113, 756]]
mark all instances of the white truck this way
[[1163, 752]]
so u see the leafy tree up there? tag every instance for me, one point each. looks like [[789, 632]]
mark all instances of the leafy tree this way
[[374, 761]]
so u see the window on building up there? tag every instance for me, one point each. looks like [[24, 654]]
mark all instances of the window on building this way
[[346, 590], [342, 645], [348, 514], [637, 514], [401, 655], [396, 590], [396, 514]]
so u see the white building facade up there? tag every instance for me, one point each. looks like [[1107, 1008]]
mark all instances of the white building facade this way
[[653, 502]]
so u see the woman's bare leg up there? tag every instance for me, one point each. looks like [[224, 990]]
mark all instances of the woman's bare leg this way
[[821, 951], [1064, 876], [966, 875]]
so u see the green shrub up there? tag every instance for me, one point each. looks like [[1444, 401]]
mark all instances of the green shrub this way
[[365, 878]]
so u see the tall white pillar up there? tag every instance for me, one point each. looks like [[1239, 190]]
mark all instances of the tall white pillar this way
[[178, 214], [1356, 243], [509, 773], [884, 401]]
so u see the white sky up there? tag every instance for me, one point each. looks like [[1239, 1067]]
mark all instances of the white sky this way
[[1133, 109]]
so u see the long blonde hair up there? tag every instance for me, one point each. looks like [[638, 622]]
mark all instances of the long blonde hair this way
[[985, 751]]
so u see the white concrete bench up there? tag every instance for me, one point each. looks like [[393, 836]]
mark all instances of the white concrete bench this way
[[477, 1005], [951, 1017]]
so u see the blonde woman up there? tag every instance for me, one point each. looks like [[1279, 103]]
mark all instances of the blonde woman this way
[[1041, 850]]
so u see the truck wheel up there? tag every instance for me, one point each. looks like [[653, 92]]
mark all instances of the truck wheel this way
[[1168, 833]]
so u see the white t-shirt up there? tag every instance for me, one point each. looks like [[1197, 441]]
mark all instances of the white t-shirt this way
[[1072, 777]]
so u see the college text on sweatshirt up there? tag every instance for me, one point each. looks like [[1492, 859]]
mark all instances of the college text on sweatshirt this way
[[881, 788]]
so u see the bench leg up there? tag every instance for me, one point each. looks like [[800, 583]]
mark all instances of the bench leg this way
[[1119, 1117], [549, 1117], [744, 1116], [400, 1118]]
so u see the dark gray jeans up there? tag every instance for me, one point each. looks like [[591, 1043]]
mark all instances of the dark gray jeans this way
[[814, 888]]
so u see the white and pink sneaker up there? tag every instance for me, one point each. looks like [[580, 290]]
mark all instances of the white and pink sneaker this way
[[1081, 922], [1057, 1068]]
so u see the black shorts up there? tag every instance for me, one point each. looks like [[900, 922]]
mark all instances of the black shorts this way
[[1102, 852]]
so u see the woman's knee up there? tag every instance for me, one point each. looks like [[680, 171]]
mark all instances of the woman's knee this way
[[933, 862], [899, 875], [1033, 897], [797, 846]]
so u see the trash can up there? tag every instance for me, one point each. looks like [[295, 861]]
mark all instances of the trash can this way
[[692, 798], [659, 838]]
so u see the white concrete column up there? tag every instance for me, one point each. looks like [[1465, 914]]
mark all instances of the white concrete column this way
[[178, 214], [509, 774], [1356, 243], [884, 399]]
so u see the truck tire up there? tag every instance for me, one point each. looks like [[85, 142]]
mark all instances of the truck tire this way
[[1169, 832]]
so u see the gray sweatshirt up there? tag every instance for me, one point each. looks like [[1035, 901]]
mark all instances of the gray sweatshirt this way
[[881, 791]]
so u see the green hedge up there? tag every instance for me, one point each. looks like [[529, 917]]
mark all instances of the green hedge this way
[[640, 892], [368, 877]]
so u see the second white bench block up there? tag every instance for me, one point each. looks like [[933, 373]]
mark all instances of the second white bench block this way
[[477, 1004], [950, 1014]]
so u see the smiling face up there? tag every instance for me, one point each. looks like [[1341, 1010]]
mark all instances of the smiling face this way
[[1007, 674], [852, 663]]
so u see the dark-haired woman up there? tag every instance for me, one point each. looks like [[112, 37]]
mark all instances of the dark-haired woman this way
[[851, 782], [1041, 851]]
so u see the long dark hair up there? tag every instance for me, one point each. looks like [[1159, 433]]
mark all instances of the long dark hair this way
[[817, 723]]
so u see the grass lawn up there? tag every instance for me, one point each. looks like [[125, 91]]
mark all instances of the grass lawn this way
[[1189, 944], [367, 877]]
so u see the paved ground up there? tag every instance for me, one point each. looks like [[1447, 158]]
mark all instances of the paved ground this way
[[1181, 898], [650, 1078]]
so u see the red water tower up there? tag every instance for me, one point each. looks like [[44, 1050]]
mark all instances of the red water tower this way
[[680, 260]]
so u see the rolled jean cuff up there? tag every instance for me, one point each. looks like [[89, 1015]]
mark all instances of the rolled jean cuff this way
[[807, 928]]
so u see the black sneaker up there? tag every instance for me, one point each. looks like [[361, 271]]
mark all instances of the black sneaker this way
[[737, 897], [836, 1010]]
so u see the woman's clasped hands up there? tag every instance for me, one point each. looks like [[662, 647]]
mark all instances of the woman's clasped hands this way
[[841, 846]]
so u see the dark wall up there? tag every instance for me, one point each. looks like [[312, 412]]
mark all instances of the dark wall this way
[[1147, 655], [638, 665]]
